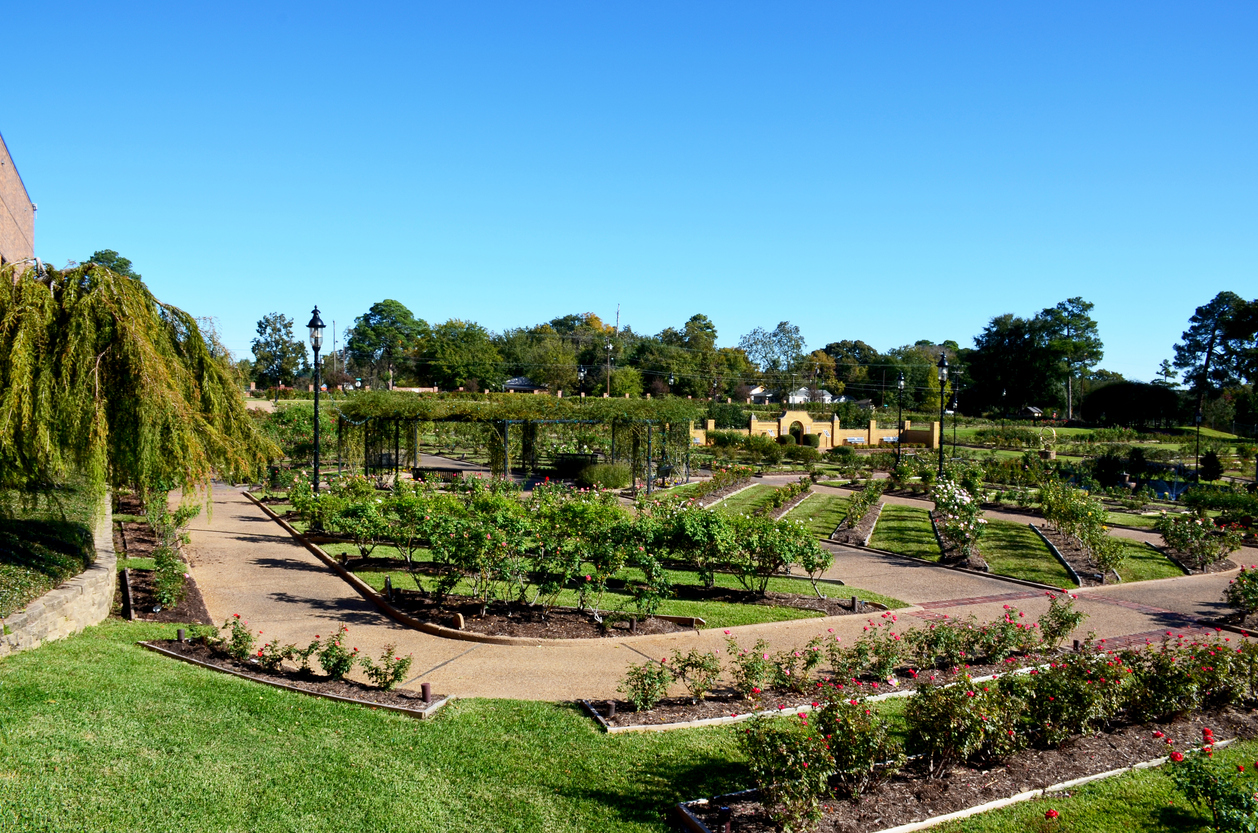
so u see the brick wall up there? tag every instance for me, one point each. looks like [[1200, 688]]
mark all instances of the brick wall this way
[[17, 213]]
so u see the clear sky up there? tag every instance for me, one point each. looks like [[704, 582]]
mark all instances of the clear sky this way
[[887, 172]]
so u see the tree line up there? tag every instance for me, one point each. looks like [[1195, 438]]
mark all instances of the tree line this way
[[1049, 360]]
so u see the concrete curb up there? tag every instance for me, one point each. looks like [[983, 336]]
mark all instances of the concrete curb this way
[[691, 823], [1074, 576], [421, 714]]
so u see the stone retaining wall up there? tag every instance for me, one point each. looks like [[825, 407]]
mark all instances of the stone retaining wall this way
[[82, 601]]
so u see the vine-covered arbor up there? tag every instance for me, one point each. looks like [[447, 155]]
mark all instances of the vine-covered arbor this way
[[382, 431]]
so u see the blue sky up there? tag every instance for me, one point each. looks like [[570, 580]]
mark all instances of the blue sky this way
[[887, 172]]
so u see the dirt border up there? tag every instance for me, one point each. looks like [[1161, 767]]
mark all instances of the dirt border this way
[[693, 824], [421, 714]]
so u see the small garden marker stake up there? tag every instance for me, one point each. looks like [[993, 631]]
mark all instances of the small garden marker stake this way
[[180, 635], [388, 587], [611, 709], [724, 816], [633, 624], [856, 604], [425, 690]]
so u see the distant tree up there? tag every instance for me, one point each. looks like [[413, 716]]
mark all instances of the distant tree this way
[[1073, 335], [114, 262], [779, 354], [1210, 349], [1013, 365], [1133, 404], [456, 352], [1211, 467], [277, 357], [1166, 375], [380, 338]]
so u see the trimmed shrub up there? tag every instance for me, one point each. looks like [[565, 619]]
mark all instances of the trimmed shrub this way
[[812, 440], [606, 476], [786, 439]]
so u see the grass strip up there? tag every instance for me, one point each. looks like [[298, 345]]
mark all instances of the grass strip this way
[[101, 735], [1144, 563], [1137, 801], [821, 513], [1012, 549], [747, 501], [45, 539], [906, 530]]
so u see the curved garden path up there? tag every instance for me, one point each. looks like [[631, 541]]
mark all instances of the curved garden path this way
[[246, 563]]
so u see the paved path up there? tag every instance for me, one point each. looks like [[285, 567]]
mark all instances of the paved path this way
[[245, 563]]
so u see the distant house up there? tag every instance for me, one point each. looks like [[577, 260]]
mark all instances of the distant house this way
[[522, 384], [804, 395], [760, 396], [17, 213], [1031, 412]]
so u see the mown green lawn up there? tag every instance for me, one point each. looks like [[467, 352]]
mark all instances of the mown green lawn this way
[[44, 540], [747, 501], [98, 734], [1012, 549], [1143, 801], [905, 530], [821, 513], [1144, 563], [714, 614]]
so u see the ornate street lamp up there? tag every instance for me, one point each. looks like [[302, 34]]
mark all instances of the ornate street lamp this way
[[609, 368], [943, 379], [899, 422], [316, 341]]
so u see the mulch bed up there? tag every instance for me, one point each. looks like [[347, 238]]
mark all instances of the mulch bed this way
[[726, 702], [720, 494], [857, 535], [951, 556], [136, 540], [311, 682], [911, 796], [515, 619]]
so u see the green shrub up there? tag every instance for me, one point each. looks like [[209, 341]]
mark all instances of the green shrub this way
[[790, 763], [963, 722], [333, 658], [606, 476], [239, 642], [1073, 695], [812, 440], [1060, 619], [751, 670], [786, 439], [1227, 794], [697, 672], [391, 670], [864, 753], [1197, 538], [646, 684], [1242, 591]]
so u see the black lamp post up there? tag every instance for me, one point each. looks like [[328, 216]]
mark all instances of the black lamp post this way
[[1196, 476], [899, 421], [609, 368], [953, 408], [316, 341], [943, 379], [580, 377]]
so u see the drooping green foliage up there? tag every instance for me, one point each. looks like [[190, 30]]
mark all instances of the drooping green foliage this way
[[98, 375]]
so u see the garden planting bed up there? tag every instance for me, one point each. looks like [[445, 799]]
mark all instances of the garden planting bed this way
[[135, 595], [720, 494], [726, 705], [859, 535], [200, 653], [521, 620], [910, 796]]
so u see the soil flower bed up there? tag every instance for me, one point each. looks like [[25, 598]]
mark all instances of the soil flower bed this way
[[909, 796], [308, 682]]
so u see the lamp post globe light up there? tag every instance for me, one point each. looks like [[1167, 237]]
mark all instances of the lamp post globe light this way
[[316, 341], [899, 420], [943, 379]]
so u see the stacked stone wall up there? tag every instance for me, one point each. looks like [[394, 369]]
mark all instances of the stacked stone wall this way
[[84, 600]]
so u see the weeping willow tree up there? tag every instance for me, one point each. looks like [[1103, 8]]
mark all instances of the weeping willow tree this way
[[100, 380]]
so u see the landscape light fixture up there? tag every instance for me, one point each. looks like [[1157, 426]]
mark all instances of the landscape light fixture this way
[[899, 421], [316, 341], [943, 380]]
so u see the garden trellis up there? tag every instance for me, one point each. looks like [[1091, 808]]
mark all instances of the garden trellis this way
[[377, 430]]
